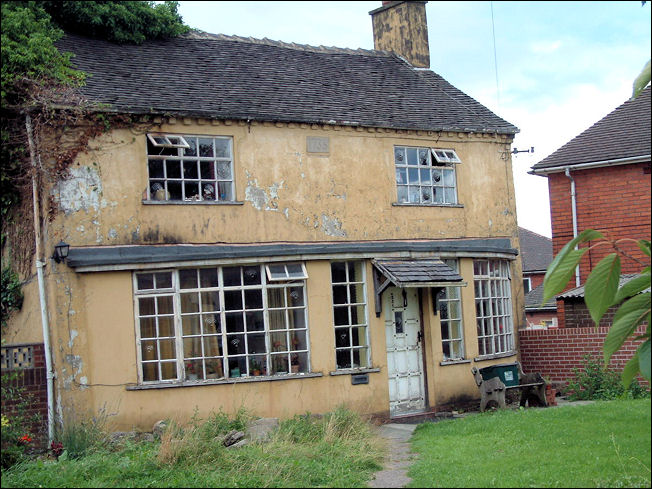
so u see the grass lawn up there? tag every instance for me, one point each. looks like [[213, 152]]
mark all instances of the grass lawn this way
[[605, 444]]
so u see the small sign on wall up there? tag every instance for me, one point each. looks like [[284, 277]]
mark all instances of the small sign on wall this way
[[317, 144], [360, 379]]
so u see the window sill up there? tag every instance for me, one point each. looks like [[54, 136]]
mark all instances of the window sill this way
[[355, 371], [409, 204], [494, 356], [453, 362], [240, 380], [192, 202]]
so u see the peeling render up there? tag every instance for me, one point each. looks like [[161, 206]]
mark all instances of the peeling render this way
[[73, 335], [81, 191], [259, 197], [332, 226]]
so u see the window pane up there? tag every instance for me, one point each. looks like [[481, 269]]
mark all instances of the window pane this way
[[235, 344], [231, 276], [145, 281], [190, 325], [234, 322], [412, 156], [163, 280], [401, 175], [222, 148], [147, 327], [205, 147], [413, 175], [155, 169], [165, 305], [342, 337], [399, 156], [146, 306], [295, 297], [190, 302], [166, 326], [277, 320], [251, 275], [402, 194], [275, 297], [232, 300], [210, 301], [223, 170], [208, 277], [190, 169], [253, 299], [255, 321], [414, 195]]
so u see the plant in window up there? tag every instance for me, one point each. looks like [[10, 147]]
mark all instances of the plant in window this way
[[190, 370], [295, 365], [255, 367]]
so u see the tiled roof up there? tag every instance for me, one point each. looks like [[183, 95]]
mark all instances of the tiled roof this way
[[222, 77], [578, 292], [402, 272], [536, 250], [533, 300], [624, 133]]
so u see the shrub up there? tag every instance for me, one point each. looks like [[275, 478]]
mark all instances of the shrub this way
[[594, 381], [17, 425]]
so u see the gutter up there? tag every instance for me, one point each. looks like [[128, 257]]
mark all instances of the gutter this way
[[594, 164], [41, 282], [574, 210]]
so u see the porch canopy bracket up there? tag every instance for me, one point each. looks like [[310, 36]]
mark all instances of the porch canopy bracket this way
[[407, 273]]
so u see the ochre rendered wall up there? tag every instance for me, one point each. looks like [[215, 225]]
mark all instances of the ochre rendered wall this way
[[287, 195]]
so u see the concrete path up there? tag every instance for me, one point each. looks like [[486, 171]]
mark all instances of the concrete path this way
[[399, 459]]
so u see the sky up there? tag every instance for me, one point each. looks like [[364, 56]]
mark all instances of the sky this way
[[552, 69]]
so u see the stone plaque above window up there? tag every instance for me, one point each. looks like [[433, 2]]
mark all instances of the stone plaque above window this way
[[317, 145]]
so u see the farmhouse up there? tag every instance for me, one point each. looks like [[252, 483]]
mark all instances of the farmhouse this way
[[276, 226]]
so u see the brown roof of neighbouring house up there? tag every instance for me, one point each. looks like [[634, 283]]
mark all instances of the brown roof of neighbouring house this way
[[536, 250], [223, 77], [624, 133]]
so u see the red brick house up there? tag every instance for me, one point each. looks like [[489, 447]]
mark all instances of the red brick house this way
[[536, 255], [601, 180], [598, 180]]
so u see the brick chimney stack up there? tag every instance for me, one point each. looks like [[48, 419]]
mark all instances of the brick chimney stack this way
[[402, 27]]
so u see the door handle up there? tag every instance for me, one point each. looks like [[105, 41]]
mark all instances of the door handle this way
[[419, 337]]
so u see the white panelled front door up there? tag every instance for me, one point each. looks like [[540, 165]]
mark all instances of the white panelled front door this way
[[404, 355]]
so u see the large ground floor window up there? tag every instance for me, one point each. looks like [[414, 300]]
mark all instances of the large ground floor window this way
[[493, 306], [219, 322]]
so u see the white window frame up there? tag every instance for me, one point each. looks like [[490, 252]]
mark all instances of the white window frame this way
[[445, 155], [286, 274], [493, 301], [425, 176], [527, 288], [447, 296], [172, 170], [293, 351], [350, 326], [168, 140]]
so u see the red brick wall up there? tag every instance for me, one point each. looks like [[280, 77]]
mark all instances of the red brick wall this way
[[613, 200], [555, 352], [577, 315], [33, 382]]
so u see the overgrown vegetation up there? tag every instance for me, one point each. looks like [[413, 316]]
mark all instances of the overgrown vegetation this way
[[39, 80], [10, 293], [595, 381], [338, 449], [18, 426], [603, 444]]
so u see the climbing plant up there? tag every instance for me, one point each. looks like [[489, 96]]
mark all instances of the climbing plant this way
[[39, 80]]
